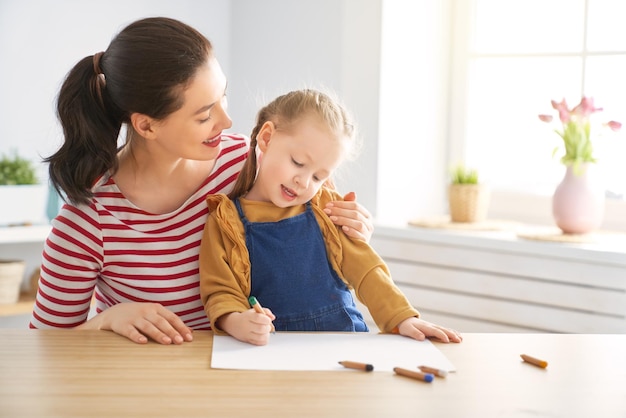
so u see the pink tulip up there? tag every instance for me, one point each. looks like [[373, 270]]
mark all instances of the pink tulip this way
[[564, 113], [615, 126], [576, 129], [585, 108]]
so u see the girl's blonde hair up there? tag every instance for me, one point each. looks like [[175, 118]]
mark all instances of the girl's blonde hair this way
[[285, 111]]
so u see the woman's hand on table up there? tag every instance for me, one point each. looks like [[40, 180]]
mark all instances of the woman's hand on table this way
[[142, 321]]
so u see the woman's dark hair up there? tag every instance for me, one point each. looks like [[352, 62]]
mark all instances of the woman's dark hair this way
[[145, 69]]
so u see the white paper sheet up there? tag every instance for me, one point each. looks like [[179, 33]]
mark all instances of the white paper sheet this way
[[323, 351]]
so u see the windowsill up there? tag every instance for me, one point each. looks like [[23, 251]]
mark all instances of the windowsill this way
[[608, 248]]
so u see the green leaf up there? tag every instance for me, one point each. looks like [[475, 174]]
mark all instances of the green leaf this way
[[16, 170], [460, 174]]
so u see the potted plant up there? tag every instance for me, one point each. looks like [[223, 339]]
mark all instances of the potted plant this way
[[23, 197], [468, 198], [579, 200]]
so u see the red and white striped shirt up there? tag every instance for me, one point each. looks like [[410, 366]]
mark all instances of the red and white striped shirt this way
[[124, 254]]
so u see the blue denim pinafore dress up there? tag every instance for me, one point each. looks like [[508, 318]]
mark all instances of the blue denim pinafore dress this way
[[291, 275]]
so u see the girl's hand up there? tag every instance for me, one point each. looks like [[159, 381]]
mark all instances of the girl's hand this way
[[140, 321], [419, 329], [248, 326], [354, 219]]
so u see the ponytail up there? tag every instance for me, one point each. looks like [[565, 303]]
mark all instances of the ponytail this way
[[91, 126], [246, 177]]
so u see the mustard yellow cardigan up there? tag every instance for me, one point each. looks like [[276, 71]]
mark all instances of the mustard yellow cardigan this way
[[225, 264]]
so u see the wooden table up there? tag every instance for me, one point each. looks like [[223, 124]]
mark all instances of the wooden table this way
[[57, 373]]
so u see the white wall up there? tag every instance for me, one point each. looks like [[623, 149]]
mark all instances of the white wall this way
[[372, 52], [265, 47], [280, 45], [413, 104]]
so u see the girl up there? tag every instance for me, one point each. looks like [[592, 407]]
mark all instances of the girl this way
[[269, 238]]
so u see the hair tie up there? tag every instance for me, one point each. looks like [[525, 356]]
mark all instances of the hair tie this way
[[96, 63]]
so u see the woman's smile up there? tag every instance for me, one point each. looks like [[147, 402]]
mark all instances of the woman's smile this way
[[213, 142]]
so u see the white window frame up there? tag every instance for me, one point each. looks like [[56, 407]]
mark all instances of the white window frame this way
[[505, 204]]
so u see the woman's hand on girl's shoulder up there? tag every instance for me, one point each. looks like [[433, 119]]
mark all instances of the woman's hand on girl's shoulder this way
[[354, 219]]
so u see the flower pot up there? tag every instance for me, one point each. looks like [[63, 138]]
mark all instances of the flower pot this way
[[468, 202], [11, 274], [578, 202]]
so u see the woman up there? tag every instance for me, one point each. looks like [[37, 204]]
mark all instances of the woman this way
[[130, 233]]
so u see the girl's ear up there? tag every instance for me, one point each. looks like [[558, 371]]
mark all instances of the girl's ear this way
[[265, 135], [144, 125]]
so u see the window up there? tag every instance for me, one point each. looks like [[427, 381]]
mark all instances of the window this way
[[515, 56], [508, 59]]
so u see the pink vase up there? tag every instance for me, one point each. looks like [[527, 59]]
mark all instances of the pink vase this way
[[578, 201]]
